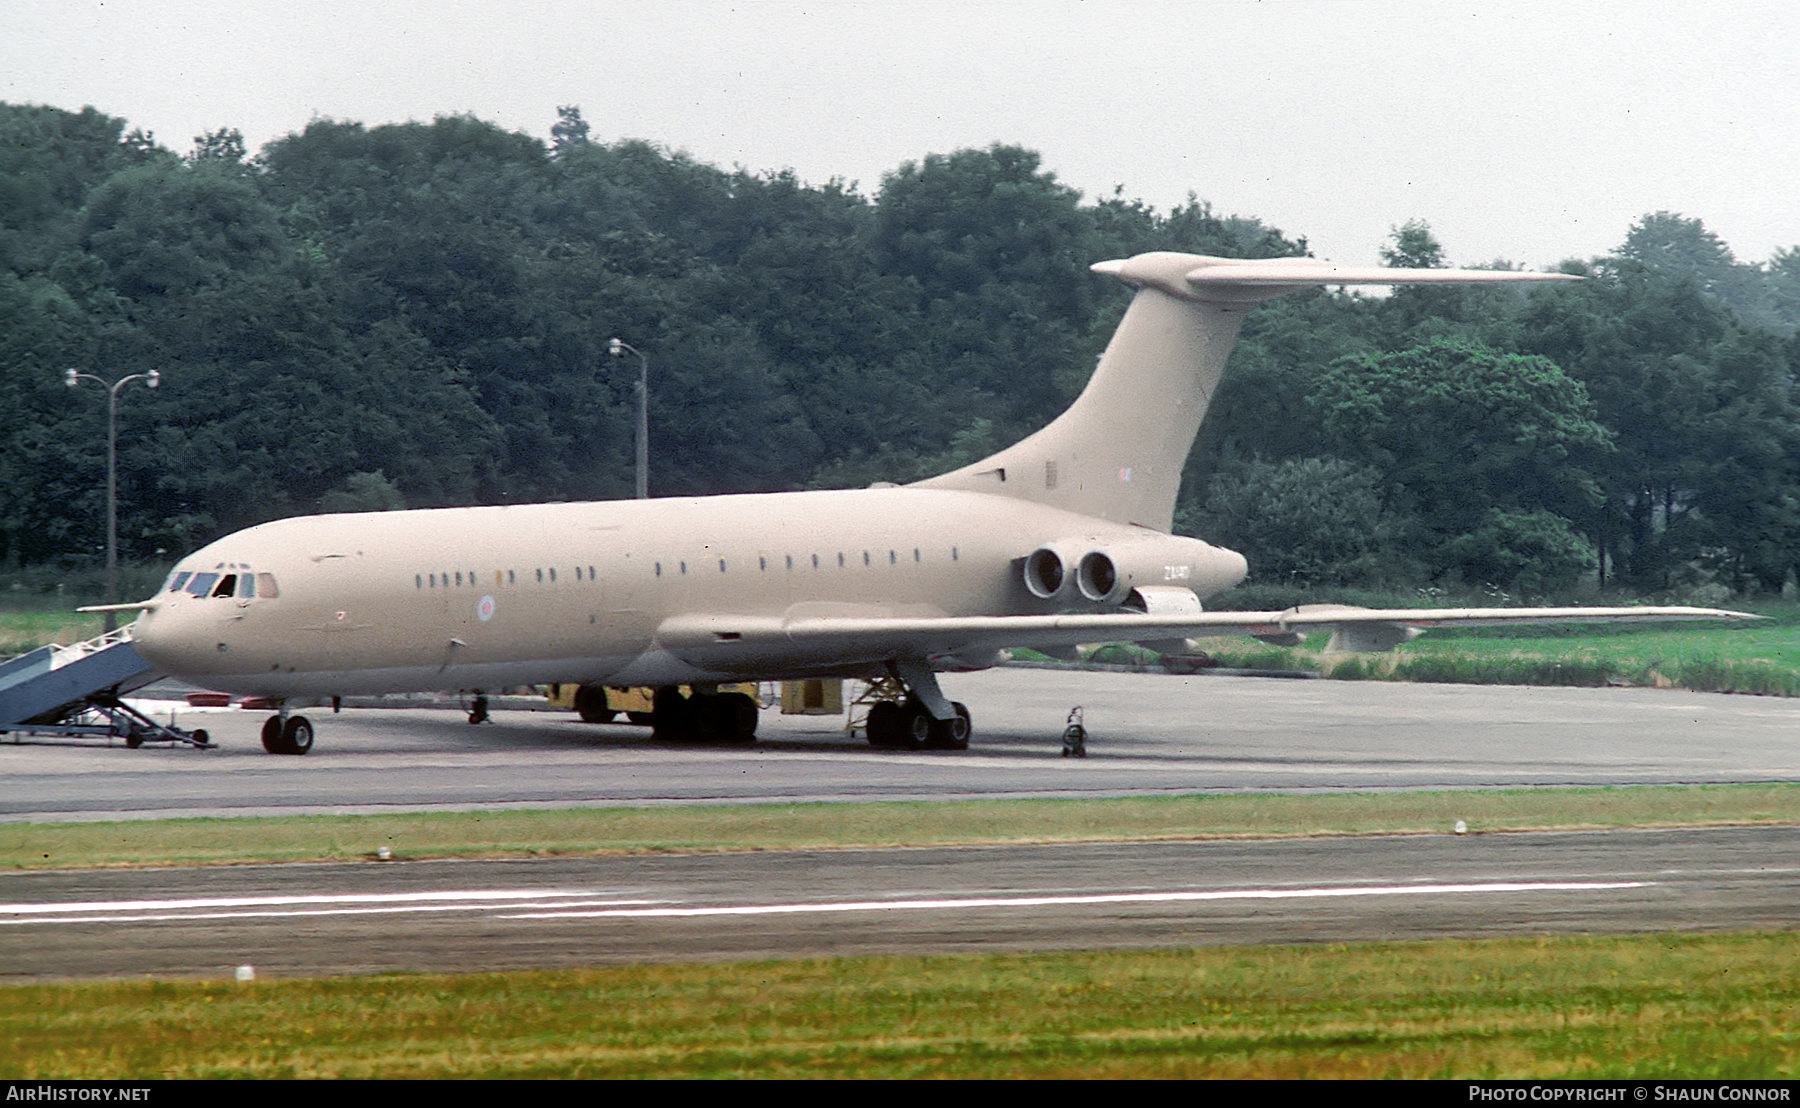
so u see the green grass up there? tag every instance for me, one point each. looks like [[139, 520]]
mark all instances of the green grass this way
[[1763, 659], [841, 826], [23, 630], [1664, 1006]]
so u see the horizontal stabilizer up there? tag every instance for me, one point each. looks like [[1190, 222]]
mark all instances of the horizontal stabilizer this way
[[1248, 280]]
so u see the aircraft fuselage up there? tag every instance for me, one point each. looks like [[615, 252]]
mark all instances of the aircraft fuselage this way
[[487, 597]]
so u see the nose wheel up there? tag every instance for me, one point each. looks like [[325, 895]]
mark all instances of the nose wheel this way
[[287, 734]]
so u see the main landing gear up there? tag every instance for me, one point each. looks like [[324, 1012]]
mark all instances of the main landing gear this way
[[917, 716]]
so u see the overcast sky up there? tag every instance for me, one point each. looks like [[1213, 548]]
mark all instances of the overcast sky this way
[[1529, 130]]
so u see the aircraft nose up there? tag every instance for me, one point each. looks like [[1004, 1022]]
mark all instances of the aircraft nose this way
[[164, 638]]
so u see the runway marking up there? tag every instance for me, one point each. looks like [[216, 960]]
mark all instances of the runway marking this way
[[251, 907], [585, 904], [1081, 899]]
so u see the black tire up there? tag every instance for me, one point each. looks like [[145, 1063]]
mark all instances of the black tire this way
[[883, 724], [590, 704], [271, 736], [134, 738], [297, 735], [952, 734], [672, 718], [734, 717], [200, 737], [916, 726]]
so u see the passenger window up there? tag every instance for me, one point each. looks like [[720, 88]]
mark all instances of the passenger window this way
[[265, 586]]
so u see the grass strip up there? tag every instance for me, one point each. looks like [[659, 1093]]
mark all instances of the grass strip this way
[[824, 826], [1762, 660], [1662, 1006]]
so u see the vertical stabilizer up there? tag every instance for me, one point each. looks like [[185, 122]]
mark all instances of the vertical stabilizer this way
[[1118, 451]]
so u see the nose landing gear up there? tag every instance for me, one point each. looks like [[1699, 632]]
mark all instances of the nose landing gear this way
[[285, 734]]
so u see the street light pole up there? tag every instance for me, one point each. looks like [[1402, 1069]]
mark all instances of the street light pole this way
[[618, 347], [73, 378]]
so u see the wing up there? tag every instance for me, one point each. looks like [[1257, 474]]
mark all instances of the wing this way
[[743, 644]]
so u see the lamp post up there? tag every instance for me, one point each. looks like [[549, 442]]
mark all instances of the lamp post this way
[[617, 348], [73, 378]]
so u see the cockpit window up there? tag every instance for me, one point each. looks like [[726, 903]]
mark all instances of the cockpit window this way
[[227, 585], [265, 585], [201, 584], [176, 580]]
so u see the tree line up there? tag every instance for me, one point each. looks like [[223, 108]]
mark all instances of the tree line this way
[[419, 314]]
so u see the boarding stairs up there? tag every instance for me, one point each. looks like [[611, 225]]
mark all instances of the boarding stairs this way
[[76, 690]]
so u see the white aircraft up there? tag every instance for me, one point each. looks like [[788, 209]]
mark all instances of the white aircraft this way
[[1060, 539]]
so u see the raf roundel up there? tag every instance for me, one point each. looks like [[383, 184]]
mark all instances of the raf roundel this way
[[484, 609]]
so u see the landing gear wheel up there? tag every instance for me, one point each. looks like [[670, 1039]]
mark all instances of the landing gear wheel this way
[[293, 735], [883, 724], [916, 726], [297, 734], [953, 733], [478, 713], [134, 738]]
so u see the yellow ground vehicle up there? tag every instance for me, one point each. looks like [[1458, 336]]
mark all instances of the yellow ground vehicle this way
[[603, 704]]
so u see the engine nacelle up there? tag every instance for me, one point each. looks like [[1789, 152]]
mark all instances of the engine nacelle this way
[[1109, 574], [1050, 570]]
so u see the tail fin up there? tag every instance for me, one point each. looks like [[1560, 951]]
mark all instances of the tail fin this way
[[1118, 451]]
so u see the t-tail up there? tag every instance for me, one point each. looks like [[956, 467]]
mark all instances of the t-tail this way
[[1118, 452]]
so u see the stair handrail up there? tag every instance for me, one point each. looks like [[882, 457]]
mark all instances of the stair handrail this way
[[74, 652]]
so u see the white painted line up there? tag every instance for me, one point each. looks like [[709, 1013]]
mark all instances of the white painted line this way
[[1098, 898], [288, 913], [255, 901], [532, 904]]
